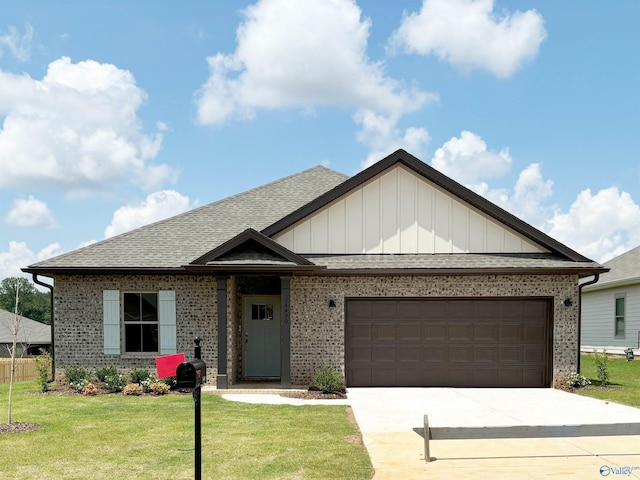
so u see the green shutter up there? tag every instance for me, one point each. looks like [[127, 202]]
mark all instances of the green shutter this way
[[111, 321], [167, 320]]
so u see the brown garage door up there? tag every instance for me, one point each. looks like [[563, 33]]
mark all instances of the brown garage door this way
[[448, 342]]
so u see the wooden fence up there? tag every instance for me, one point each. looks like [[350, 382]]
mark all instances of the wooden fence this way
[[25, 370]]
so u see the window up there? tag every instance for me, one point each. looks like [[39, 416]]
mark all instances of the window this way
[[619, 318], [140, 322], [261, 311]]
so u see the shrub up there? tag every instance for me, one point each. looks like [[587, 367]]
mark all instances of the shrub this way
[[602, 369], [104, 372], [328, 379], [77, 377], [132, 389], [43, 365], [89, 390], [159, 388], [577, 380], [139, 375], [115, 382], [146, 384], [169, 381]]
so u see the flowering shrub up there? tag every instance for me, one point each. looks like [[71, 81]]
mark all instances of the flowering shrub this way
[[159, 388], [77, 377], [132, 389], [577, 380], [89, 390], [146, 384], [139, 375], [114, 382], [104, 372]]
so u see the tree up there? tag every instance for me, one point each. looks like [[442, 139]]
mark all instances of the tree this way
[[15, 331], [34, 304]]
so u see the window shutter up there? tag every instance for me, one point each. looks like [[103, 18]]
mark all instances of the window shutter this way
[[167, 320], [111, 321]]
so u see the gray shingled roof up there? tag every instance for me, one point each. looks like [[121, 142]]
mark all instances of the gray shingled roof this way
[[194, 236], [462, 261], [179, 240], [625, 269], [29, 331]]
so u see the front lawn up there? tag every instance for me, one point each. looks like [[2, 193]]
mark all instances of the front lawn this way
[[116, 436], [624, 380]]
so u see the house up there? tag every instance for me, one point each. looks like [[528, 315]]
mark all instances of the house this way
[[397, 276], [31, 336], [611, 307]]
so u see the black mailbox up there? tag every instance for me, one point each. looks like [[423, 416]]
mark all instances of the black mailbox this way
[[190, 374]]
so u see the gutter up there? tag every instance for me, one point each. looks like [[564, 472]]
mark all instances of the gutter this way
[[580, 287], [53, 344]]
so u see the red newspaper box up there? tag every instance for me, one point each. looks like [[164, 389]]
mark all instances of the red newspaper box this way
[[167, 364]]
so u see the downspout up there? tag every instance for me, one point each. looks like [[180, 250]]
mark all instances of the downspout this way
[[580, 287], [53, 344]]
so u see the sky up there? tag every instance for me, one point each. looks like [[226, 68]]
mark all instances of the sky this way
[[115, 114]]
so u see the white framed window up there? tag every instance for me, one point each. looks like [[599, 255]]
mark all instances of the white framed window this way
[[139, 322], [619, 321]]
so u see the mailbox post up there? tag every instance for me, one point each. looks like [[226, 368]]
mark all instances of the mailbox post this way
[[193, 374]]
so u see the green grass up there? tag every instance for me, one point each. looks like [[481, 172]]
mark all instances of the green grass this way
[[624, 380], [115, 436]]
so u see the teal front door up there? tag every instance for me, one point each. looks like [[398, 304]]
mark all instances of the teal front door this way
[[261, 340]]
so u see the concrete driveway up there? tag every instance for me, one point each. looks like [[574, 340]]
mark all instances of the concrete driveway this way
[[496, 433]]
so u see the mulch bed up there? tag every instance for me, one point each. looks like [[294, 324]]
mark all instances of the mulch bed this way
[[18, 427], [315, 394]]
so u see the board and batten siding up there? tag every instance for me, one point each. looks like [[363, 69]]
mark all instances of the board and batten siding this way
[[598, 317], [400, 212]]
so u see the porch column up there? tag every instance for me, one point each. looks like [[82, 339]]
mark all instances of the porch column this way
[[285, 350], [221, 378]]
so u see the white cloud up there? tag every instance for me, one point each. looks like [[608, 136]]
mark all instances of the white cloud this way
[[89, 135], [599, 226], [30, 212], [18, 45], [467, 160], [470, 35], [381, 134], [20, 256], [304, 55], [155, 207]]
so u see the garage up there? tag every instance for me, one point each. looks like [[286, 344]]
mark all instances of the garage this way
[[487, 342]]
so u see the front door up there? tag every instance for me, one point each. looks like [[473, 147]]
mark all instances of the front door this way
[[261, 316]]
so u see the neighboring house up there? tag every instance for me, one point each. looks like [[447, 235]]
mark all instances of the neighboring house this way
[[397, 276], [611, 307], [32, 336]]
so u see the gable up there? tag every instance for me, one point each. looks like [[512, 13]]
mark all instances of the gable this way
[[400, 211], [250, 248]]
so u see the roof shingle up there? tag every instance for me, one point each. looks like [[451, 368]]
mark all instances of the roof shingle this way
[[177, 241]]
